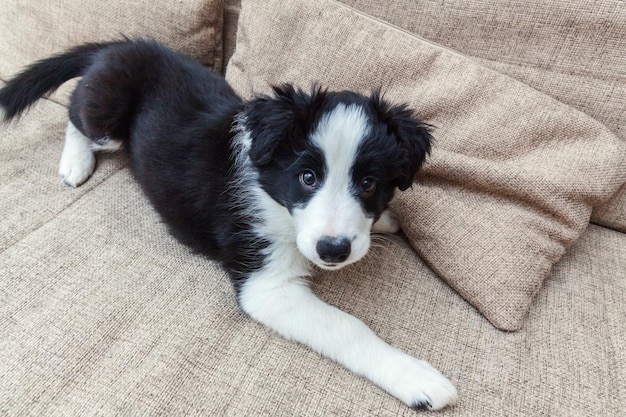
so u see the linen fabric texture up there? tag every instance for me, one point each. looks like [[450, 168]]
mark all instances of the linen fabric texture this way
[[102, 312], [513, 175], [35, 29], [572, 51]]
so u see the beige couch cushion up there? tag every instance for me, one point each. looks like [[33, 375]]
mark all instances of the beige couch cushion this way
[[102, 313], [30, 188], [513, 174], [35, 29], [570, 50]]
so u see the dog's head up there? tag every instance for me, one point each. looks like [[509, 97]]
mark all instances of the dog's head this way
[[333, 160]]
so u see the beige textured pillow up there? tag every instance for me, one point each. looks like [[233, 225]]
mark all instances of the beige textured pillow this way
[[575, 55], [34, 29], [513, 175]]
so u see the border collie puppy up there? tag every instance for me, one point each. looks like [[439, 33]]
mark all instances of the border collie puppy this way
[[267, 187]]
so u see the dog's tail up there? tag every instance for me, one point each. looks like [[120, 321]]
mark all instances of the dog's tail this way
[[45, 76]]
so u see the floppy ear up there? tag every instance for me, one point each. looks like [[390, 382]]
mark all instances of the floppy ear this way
[[279, 120], [413, 136]]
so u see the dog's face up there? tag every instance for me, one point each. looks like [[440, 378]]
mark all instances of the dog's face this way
[[333, 160]]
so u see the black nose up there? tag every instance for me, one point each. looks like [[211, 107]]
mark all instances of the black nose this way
[[333, 249]]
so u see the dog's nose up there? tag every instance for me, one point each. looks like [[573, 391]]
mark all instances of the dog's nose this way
[[333, 249]]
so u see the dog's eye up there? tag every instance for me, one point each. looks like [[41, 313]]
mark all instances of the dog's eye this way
[[368, 185], [308, 178]]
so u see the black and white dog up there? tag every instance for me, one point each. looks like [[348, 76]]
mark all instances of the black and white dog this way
[[267, 187]]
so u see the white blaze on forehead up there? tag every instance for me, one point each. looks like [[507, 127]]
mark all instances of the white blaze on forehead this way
[[339, 134]]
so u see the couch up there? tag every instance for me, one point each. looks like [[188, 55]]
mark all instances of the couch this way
[[509, 275]]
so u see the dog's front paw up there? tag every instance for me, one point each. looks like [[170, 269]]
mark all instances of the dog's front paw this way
[[420, 386], [76, 167], [435, 392]]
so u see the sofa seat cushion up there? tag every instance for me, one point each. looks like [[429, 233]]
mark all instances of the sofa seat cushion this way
[[103, 313], [32, 192]]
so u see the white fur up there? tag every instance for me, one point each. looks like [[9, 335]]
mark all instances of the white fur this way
[[278, 295], [387, 223], [333, 211], [78, 160]]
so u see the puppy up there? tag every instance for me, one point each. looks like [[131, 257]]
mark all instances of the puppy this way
[[266, 187]]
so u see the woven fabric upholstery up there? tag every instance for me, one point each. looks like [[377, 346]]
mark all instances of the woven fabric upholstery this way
[[513, 175], [34, 29], [570, 50], [103, 313]]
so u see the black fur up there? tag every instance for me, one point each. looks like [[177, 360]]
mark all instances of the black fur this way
[[262, 186], [175, 118], [45, 76]]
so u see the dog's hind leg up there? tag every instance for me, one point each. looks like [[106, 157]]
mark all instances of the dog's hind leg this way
[[78, 160]]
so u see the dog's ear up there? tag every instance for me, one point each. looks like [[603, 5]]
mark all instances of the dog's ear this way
[[413, 136], [280, 120]]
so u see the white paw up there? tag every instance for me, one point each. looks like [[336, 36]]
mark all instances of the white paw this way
[[387, 223], [77, 160], [76, 168], [419, 385]]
